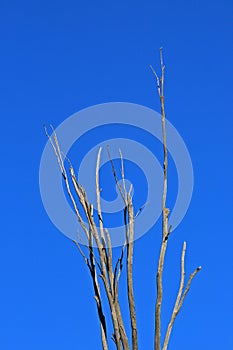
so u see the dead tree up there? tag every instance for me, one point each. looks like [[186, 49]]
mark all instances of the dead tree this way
[[100, 262]]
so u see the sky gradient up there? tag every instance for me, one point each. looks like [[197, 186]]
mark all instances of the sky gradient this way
[[60, 57]]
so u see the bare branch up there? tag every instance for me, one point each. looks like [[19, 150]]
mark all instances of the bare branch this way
[[59, 159], [98, 194], [166, 233], [92, 268], [82, 253], [175, 310], [117, 271], [107, 273], [165, 213], [130, 244], [109, 262], [180, 296], [157, 78], [188, 285], [93, 231], [57, 152], [102, 258], [141, 209], [123, 173], [98, 297], [129, 227]]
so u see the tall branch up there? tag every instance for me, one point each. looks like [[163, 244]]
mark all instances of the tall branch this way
[[129, 229], [98, 195], [130, 245], [165, 211], [165, 234], [108, 277]]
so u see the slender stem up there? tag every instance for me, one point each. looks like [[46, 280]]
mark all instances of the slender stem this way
[[165, 213], [98, 195], [131, 300], [165, 235], [107, 274]]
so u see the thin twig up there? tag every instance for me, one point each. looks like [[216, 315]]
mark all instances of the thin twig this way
[[123, 173], [141, 209], [98, 194], [188, 285], [115, 176], [57, 152]]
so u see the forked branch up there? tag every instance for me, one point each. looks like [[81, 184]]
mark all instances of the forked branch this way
[[180, 296]]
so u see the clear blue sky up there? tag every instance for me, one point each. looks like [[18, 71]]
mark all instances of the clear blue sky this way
[[59, 57]]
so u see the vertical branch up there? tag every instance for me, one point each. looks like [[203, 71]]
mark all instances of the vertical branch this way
[[123, 173], [129, 229], [109, 261], [98, 195], [107, 273], [114, 280], [165, 235], [130, 244], [165, 211]]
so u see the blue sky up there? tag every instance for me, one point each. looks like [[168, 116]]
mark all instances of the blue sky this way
[[59, 57]]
